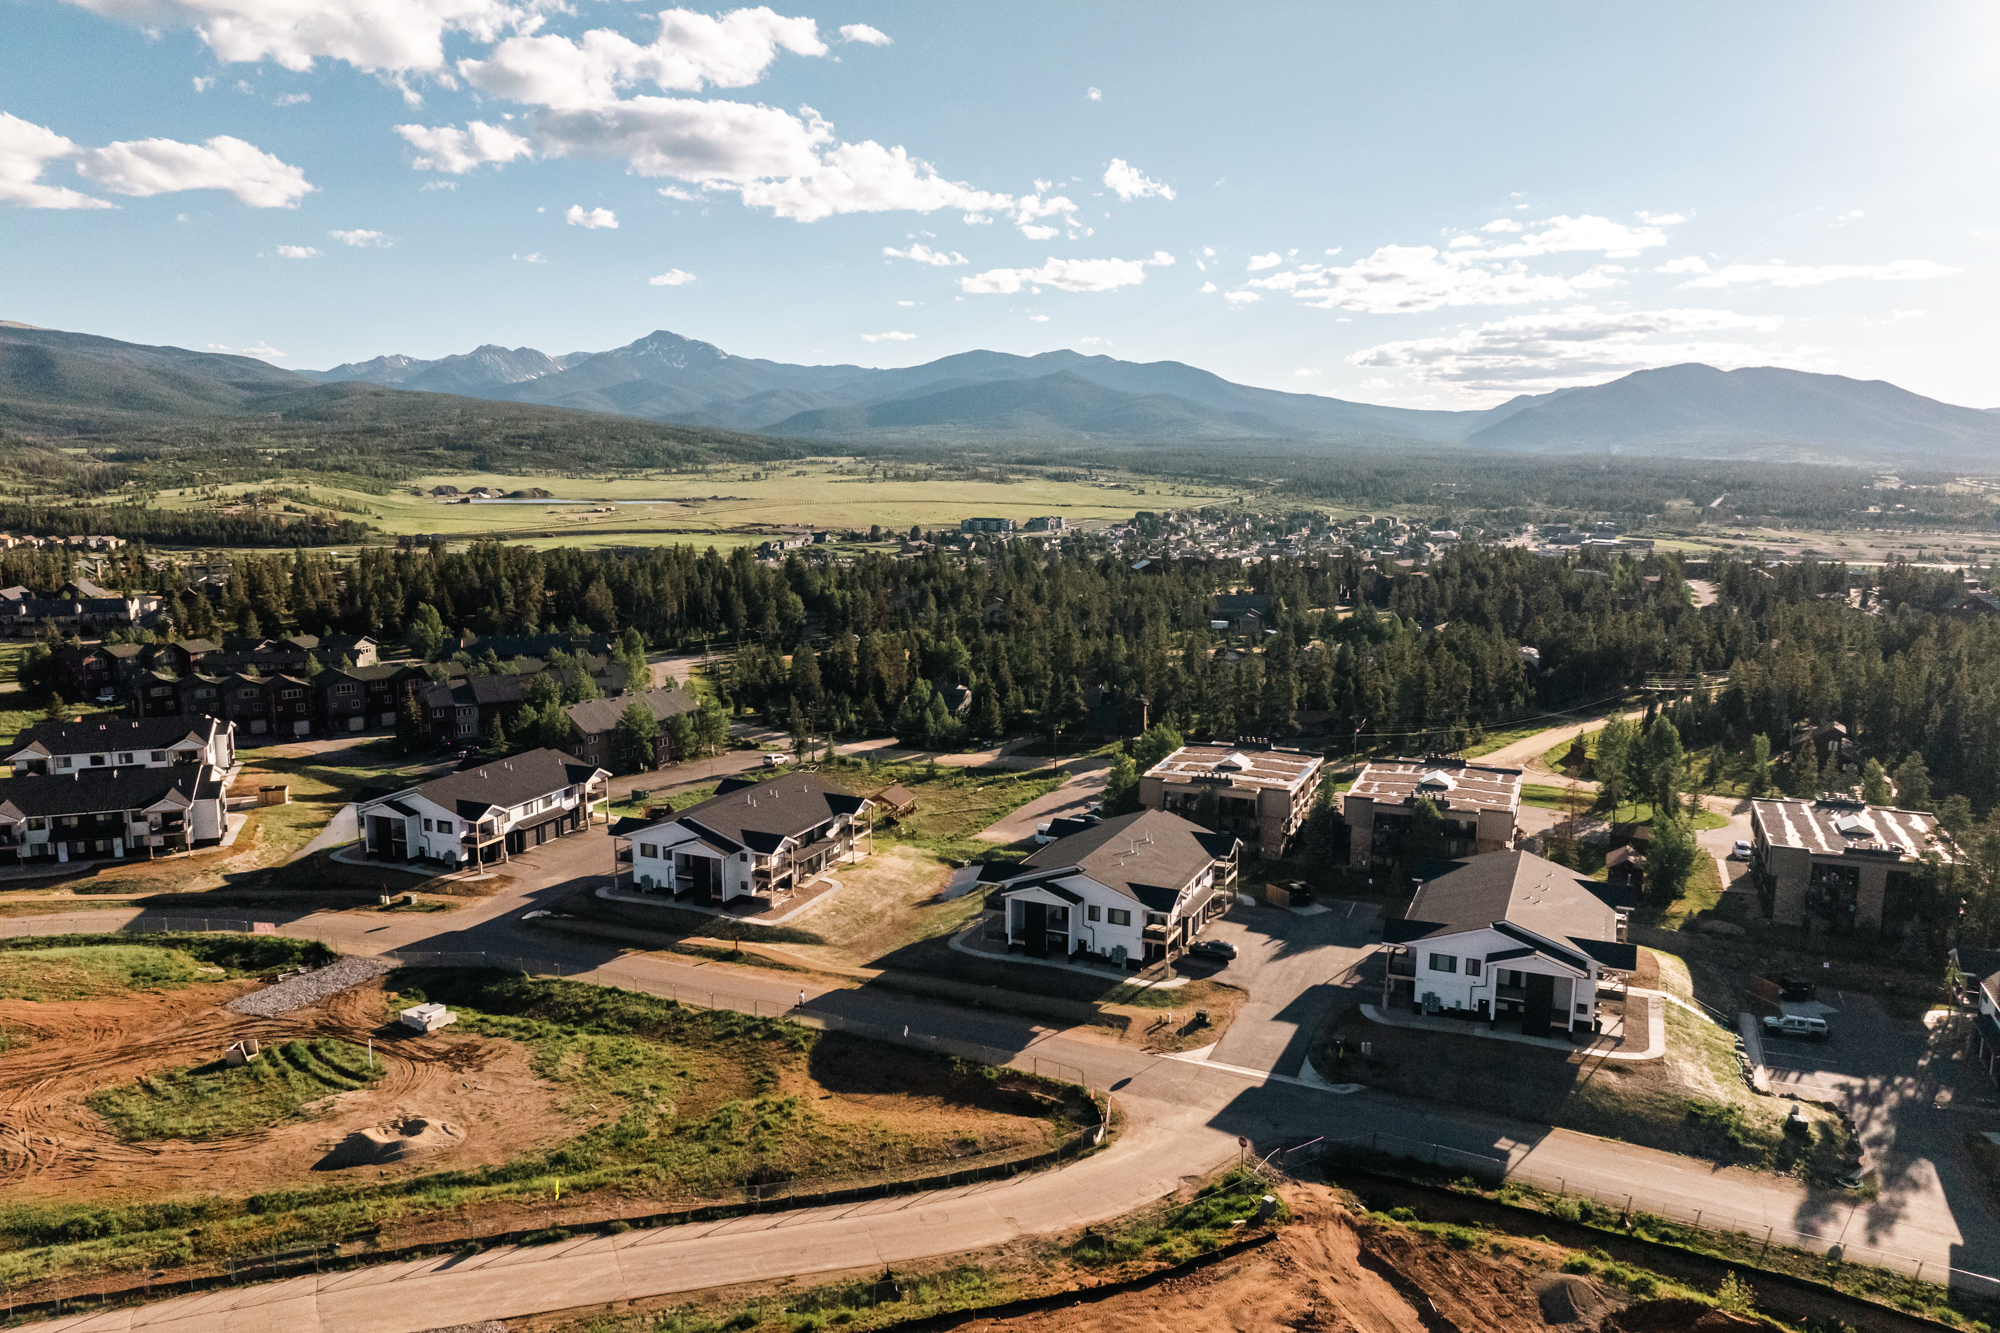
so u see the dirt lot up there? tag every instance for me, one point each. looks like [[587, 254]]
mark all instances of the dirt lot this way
[[54, 1146]]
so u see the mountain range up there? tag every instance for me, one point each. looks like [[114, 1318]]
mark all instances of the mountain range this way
[[1065, 396], [52, 380]]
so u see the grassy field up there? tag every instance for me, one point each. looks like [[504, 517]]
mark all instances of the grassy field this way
[[88, 972], [662, 1106], [216, 1101], [732, 506]]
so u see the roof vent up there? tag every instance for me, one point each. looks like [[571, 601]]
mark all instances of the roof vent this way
[[1435, 780], [1853, 826]]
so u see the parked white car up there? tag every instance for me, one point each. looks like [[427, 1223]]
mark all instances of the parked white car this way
[[776, 760], [1796, 1025], [1740, 852]]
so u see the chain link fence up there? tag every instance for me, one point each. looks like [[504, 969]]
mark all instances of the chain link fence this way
[[1494, 1172]]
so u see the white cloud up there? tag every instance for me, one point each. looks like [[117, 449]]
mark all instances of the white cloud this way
[[439, 185], [1069, 275], [923, 254], [893, 336], [1129, 183], [532, 257], [298, 251], [1847, 217], [867, 178], [293, 99], [1030, 208], [1566, 234], [1095, 342], [673, 277], [1685, 264], [25, 149], [1306, 372], [448, 148], [1402, 278], [202, 85], [861, 32], [692, 51], [593, 220], [1260, 262], [374, 35], [1039, 319], [1093, 94], [1577, 346], [906, 303], [1242, 298], [676, 192], [145, 167], [260, 349], [1207, 287], [1501, 224], [363, 238], [1780, 274]]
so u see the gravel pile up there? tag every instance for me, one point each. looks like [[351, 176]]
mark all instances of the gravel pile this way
[[311, 987]]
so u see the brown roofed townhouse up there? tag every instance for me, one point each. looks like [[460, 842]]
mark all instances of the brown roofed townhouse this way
[[1508, 938], [492, 812], [765, 840], [1130, 891], [110, 812]]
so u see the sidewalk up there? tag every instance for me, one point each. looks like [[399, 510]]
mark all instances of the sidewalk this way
[[964, 942], [818, 891], [1611, 1044]]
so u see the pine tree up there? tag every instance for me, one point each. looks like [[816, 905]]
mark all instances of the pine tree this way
[[1913, 783], [1804, 777], [1874, 783], [638, 736], [497, 737], [1121, 786]]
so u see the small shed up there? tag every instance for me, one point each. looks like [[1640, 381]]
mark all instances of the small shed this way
[[897, 800], [427, 1017]]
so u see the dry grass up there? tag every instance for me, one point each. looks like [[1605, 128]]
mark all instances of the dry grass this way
[[885, 904]]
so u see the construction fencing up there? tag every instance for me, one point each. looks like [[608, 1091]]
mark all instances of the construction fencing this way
[[1494, 1172]]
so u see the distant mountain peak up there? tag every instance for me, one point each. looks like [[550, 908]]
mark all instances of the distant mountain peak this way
[[682, 353]]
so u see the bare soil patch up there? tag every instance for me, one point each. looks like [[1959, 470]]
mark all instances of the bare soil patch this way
[[55, 1147]]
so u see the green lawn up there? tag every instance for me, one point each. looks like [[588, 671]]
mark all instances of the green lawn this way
[[217, 1101], [92, 971]]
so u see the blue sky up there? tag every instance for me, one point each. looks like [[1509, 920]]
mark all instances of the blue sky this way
[[1430, 205]]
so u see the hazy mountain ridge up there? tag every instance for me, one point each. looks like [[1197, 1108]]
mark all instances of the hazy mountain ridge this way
[[76, 383]]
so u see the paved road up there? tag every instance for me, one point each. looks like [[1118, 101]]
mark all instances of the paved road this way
[[1085, 784], [1183, 1118]]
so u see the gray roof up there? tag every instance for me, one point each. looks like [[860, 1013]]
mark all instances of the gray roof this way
[[1147, 857], [504, 782], [94, 790], [761, 817], [1517, 889], [593, 716], [125, 733]]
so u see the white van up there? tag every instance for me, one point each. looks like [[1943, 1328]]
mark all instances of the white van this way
[[1796, 1025]]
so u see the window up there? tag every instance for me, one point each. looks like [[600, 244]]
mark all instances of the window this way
[[427, 826], [444, 826], [347, 689], [37, 822], [1583, 1009], [206, 694], [1094, 913], [63, 762], [649, 849], [1472, 967], [1444, 962], [1117, 916], [160, 691], [97, 761], [159, 756], [291, 694], [125, 758]]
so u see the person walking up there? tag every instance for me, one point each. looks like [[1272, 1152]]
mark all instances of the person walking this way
[[802, 999]]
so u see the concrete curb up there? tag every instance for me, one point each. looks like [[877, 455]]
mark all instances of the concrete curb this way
[[958, 944], [610, 895]]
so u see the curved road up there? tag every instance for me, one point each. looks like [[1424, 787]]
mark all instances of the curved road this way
[[1183, 1118]]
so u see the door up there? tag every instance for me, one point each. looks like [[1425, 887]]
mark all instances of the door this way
[[1035, 929], [1541, 1006]]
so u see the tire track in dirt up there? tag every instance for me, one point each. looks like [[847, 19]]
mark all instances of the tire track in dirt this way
[[53, 1144]]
